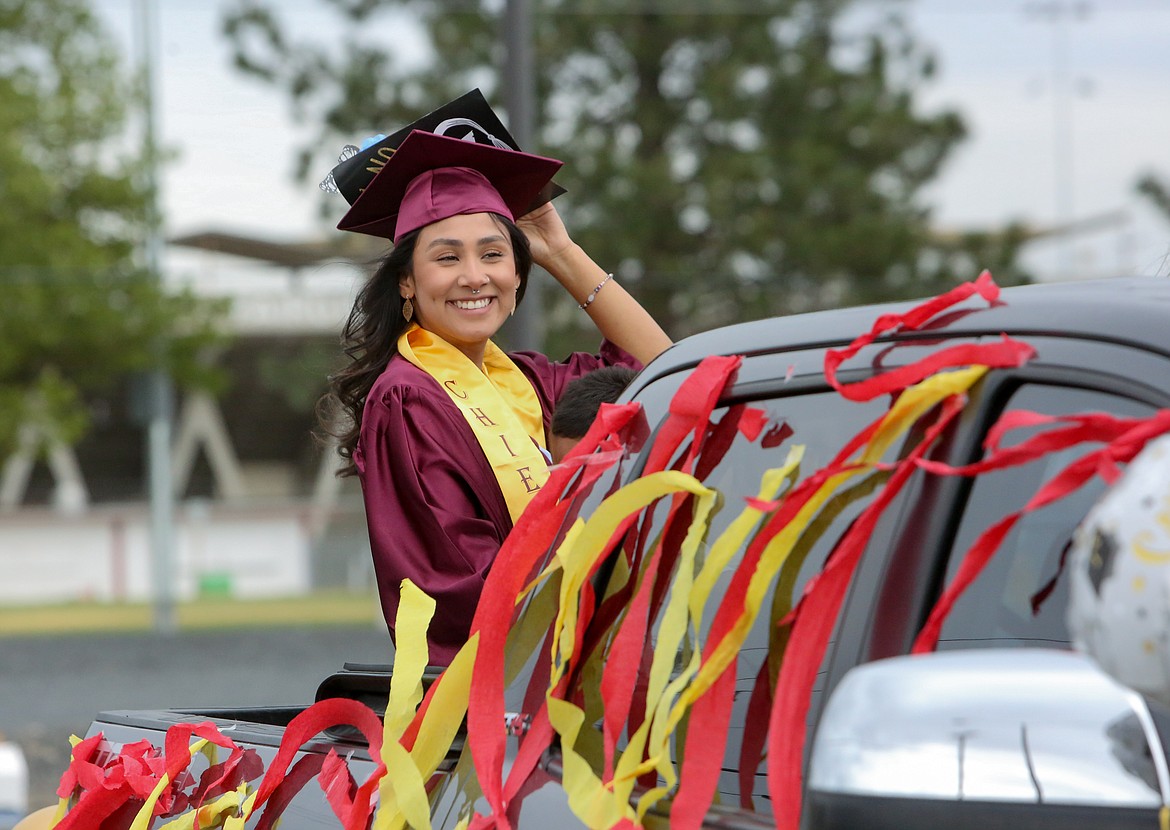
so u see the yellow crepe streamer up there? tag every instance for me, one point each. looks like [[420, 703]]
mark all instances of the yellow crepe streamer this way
[[591, 800], [446, 711], [411, 653], [209, 814], [237, 822], [665, 717], [670, 635], [405, 800], [581, 784], [670, 701], [734, 537], [911, 405], [402, 791], [577, 560], [409, 802]]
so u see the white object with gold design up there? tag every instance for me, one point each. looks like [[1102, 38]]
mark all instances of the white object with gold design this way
[[1119, 605]]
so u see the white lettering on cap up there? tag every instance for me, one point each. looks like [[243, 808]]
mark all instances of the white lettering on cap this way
[[443, 127]]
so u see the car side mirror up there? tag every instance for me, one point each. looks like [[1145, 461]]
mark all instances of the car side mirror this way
[[985, 738]]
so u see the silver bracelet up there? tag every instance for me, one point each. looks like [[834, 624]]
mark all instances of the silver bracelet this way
[[593, 295]]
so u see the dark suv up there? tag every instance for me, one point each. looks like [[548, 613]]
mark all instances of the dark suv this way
[[1001, 726]]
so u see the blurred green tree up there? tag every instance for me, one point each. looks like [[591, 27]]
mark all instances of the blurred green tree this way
[[1156, 191], [729, 159], [77, 313]]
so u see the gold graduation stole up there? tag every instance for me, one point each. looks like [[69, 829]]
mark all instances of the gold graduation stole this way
[[499, 404]]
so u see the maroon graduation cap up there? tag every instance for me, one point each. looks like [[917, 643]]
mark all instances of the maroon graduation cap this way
[[431, 177]]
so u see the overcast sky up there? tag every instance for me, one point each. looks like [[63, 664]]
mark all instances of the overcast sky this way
[[997, 59]]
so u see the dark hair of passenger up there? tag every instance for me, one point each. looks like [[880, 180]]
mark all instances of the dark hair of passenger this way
[[577, 406]]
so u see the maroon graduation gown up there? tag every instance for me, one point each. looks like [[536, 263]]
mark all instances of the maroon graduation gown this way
[[434, 509]]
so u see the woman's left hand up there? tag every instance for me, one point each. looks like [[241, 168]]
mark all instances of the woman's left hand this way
[[546, 234], [617, 315]]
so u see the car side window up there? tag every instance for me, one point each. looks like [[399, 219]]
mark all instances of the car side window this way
[[821, 422], [997, 609]]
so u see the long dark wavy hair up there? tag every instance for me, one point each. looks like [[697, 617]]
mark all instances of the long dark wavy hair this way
[[370, 338]]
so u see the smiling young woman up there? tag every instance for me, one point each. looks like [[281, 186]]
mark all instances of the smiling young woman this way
[[446, 432]]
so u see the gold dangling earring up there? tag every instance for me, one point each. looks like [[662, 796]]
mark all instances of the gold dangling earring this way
[[515, 301], [407, 309]]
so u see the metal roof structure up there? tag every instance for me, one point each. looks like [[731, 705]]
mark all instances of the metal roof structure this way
[[341, 247]]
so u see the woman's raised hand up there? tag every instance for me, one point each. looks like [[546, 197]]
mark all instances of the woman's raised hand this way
[[617, 315], [546, 234]]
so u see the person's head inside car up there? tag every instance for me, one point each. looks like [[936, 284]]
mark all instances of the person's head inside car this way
[[578, 405]]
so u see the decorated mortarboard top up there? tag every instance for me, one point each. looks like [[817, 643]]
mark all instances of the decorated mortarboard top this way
[[464, 177], [463, 133]]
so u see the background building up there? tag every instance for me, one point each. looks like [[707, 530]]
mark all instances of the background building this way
[[259, 510]]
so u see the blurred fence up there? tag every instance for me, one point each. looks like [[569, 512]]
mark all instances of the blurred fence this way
[[241, 550]]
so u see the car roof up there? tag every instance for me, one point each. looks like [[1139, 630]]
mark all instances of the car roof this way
[[1130, 310]]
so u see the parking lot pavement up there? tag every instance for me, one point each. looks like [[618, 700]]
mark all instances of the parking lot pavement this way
[[51, 687]]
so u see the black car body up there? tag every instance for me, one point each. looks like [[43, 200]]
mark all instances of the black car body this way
[[1099, 347]]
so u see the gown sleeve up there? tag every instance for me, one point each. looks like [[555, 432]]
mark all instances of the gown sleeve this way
[[435, 512], [550, 378]]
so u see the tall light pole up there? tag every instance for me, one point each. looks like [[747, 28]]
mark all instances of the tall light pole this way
[[1057, 14], [519, 74], [160, 394]]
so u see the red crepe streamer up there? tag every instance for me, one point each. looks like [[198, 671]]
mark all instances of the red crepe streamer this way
[[700, 771], [690, 408], [622, 669], [1125, 437], [302, 773], [1005, 353], [755, 734], [920, 315], [752, 423], [813, 621], [118, 786], [538, 525], [703, 756], [337, 783], [224, 777], [623, 666], [311, 722]]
